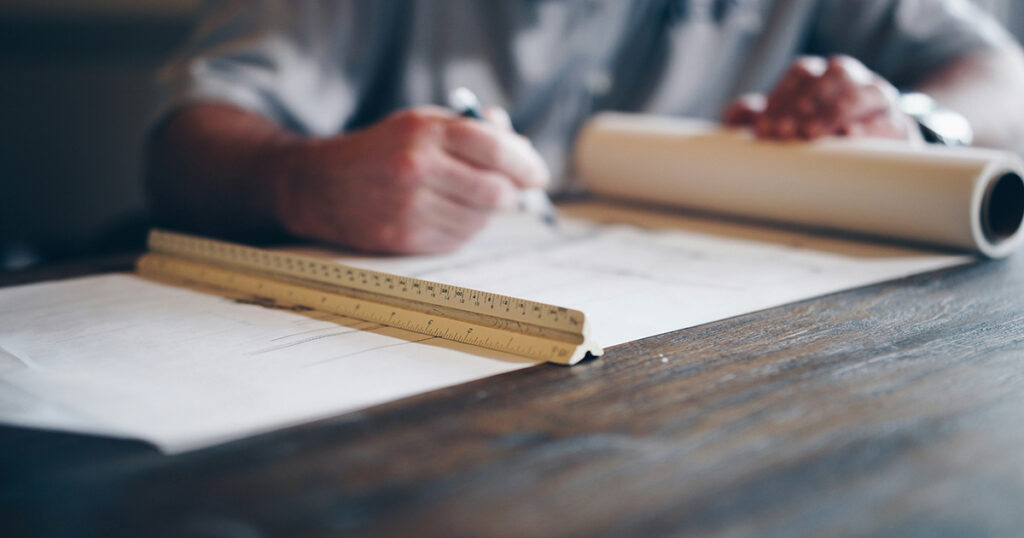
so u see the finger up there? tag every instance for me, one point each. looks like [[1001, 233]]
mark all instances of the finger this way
[[804, 70], [824, 102], [431, 211], [891, 125], [744, 110], [855, 130], [425, 240], [498, 116], [431, 111], [822, 105], [855, 105], [850, 94], [471, 186], [491, 148], [852, 68], [781, 112], [878, 126], [432, 224]]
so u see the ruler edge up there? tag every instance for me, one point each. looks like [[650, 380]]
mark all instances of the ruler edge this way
[[156, 233], [149, 266], [586, 345]]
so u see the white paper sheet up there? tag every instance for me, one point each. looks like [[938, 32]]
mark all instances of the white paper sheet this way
[[122, 356], [644, 272]]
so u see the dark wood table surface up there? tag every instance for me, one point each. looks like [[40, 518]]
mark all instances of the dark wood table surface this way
[[896, 409]]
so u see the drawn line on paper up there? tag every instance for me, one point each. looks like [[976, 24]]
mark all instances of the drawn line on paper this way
[[366, 325], [19, 359], [498, 257], [304, 341], [369, 350]]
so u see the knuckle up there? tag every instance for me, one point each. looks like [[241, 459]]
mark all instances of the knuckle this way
[[798, 71], [413, 123], [409, 167], [849, 69], [808, 66], [841, 60]]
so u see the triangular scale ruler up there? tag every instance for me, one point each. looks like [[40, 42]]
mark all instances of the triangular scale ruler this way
[[530, 329]]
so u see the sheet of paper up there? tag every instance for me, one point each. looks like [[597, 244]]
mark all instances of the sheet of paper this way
[[638, 272], [122, 356]]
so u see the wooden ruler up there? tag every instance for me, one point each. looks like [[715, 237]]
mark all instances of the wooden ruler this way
[[530, 329]]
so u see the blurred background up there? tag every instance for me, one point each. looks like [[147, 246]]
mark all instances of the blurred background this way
[[76, 97]]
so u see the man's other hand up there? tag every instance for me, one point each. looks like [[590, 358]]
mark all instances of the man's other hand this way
[[422, 180], [819, 97]]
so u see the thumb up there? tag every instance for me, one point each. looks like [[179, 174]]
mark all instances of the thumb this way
[[498, 116]]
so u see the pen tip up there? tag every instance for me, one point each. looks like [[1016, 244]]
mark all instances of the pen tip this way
[[462, 98]]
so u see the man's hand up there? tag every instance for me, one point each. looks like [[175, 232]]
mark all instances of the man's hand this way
[[422, 180], [819, 97]]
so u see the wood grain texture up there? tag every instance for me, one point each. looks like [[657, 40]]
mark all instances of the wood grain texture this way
[[893, 409]]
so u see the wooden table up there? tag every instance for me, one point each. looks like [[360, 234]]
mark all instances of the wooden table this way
[[895, 409]]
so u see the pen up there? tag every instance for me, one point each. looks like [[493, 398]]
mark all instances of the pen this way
[[532, 201]]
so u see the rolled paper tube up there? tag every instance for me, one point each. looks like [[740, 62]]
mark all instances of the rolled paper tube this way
[[964, 198]]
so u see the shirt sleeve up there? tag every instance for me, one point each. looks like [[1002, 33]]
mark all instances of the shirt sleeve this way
[[903, 40], [266, 56]]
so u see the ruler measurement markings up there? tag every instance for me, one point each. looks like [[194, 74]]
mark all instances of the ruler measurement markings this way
[[500, 323], [169, 269], [531, 329], [177, 244]]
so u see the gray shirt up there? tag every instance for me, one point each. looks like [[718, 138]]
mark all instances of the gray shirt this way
[[325, 67]]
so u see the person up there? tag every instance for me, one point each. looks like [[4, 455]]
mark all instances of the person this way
[[320, 119]]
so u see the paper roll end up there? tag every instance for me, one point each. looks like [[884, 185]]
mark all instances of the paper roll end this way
[[1002, 209]]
